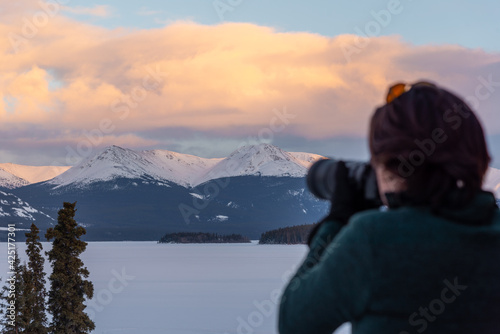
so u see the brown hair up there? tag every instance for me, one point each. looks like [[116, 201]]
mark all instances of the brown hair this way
[[433, 139]]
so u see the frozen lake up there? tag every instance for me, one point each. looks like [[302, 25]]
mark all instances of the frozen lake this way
[[145, 287]]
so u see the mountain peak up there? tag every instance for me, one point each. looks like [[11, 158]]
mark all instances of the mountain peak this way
[[11, 181], [114, 152], [20, 175], [111, 162], [260, 159], [164, 166], [262, 152], [160, 166]]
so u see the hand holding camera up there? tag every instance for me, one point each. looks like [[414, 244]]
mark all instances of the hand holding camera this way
[[349, 186]]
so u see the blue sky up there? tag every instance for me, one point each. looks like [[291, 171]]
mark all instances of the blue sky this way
[[473, 24]]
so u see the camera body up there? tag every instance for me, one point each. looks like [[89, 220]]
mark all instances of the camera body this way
[[361, 176]]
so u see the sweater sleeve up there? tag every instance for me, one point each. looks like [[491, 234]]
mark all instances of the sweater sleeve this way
[[332, 285]]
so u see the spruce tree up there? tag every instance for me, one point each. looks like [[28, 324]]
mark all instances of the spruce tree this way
[[14, 320], [34, 280], [68, 288]]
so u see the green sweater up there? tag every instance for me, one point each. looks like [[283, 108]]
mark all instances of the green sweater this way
[[401, 271]]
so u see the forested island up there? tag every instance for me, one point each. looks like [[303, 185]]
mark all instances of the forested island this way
[[287, 235], [202, 238]]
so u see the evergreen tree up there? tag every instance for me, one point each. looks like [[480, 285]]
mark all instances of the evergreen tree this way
[[68, 288], [287, 235], [34, 280], [14, 321]]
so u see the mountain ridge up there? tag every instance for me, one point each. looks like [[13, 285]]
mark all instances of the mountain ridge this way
[[166, 167], [33, 174], [186, 170], [124, 194]]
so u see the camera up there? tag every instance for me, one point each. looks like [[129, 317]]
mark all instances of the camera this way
[[321, 180]]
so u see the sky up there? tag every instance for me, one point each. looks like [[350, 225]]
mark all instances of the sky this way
[[206, 77]]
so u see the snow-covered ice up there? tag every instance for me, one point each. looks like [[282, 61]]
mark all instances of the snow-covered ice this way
[[145, 287]]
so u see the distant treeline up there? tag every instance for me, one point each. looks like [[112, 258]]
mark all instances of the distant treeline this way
[[201, 238], [287, 235]]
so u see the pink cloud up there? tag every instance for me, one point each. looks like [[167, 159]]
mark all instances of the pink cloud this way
[[223, 77], [97, 10]]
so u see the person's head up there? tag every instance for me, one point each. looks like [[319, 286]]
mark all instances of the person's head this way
[[427, 141]]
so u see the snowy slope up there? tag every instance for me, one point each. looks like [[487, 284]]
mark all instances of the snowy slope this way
[[492, 181], [10, 181], [34, 174], [13, 207], [306, 159], [183, 169], [262, 159], [116, 162]]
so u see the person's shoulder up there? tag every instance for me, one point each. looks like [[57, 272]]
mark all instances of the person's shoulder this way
[[386, 215], [380, 219], [412, 216]]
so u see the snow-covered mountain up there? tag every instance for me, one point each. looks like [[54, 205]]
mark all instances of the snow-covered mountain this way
[[32, 174], [10, 181], [306, 159], [160, 166], [124, 194], [163, 167], [262, 160]]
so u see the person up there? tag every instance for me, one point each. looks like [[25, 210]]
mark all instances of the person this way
[[429, 262]]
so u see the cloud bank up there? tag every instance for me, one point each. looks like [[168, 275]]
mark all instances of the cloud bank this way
[[64, 82]]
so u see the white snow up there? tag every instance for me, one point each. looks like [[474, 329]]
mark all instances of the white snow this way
[[10, 181], [295, 192], [19, 212], [163, 166], [34, 174], [232, 205], [28, 208], [14, 206], [263, 160], [197, 195], [160, 166], [144, 287], [3, 214], [306, 159]]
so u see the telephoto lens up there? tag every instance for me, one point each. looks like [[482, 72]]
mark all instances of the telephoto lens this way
[[321, 179]]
